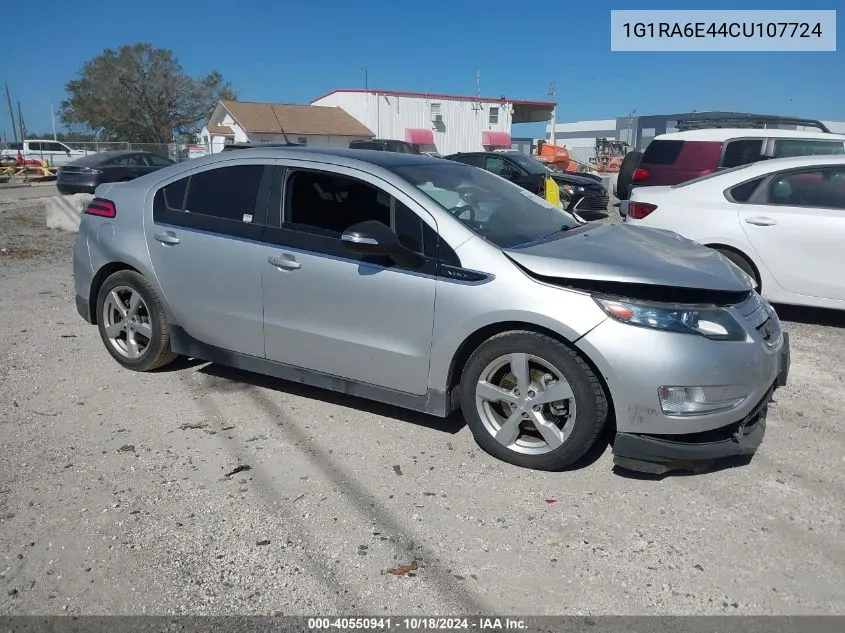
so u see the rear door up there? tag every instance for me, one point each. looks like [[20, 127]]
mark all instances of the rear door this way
[[796, 223], [204, 238]]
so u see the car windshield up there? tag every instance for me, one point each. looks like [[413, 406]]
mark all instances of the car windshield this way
[[531, 164], [499, 211]]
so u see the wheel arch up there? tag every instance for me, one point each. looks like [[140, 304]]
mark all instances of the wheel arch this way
[[482, 334], [740, 253], [97, 282]]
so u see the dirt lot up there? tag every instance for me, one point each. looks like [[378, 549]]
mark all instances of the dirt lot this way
[[118, 491]]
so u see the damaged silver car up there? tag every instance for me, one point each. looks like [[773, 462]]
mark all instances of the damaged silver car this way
[[436, 286]]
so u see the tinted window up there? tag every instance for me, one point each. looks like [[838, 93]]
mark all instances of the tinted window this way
[[823, 188], [173, 195], [742, 152], [15, 146], [129, 160], [532, 165], [741, 193], [476, 160], [365, 145], [154, 160], [662, 152], [787, 147], [329, 204], [56, 147], [499, 211], [229, 193], [35, 147], [501, 167]]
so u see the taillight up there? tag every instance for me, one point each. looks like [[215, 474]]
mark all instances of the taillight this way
[[542, 191], [640, 173], [639, 210], [102, 207]]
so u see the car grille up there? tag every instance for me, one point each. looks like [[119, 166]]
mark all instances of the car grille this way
[[592, 203], [754, 311]]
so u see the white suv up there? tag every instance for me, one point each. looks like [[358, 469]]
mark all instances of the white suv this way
[[54, 152]]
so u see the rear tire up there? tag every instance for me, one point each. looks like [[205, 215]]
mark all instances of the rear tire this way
[[531, 401], [744, 263], [626, 173], [132, 322]]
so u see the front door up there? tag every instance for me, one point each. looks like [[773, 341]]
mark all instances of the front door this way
[[203, 236], [328, 310], [796, 223]]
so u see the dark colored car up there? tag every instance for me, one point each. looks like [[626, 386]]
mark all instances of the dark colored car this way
[[385, 145], [586, 193], [84, 174]]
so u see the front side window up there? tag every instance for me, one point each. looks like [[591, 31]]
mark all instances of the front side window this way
[[35, 147], [819, 188], [501, 167], [154, 160], [328, 204], [499, 211]]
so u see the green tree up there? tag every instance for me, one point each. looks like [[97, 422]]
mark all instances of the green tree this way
[[140, 94]]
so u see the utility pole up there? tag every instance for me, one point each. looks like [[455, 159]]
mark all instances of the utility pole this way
[[53, 119], [366, 79], [23, 136], [552, 92], [12, 114]]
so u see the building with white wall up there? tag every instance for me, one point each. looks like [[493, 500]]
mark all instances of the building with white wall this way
[[437, 122], [251, 122]]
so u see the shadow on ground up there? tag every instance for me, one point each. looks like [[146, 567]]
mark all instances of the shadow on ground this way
[[811, 316]]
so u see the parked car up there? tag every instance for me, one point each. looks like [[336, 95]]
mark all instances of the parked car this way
[[781, 221], [432, 285], [54, 152], [585, 193], [85, 174], [385, 145], [677, 157]]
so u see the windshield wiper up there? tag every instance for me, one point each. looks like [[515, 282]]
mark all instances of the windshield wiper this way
[[562, 229]]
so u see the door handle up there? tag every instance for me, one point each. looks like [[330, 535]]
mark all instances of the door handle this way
[[168, 237], [760, 221], [285, 262]]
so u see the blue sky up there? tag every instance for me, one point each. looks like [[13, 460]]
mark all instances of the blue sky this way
[[295, 50]]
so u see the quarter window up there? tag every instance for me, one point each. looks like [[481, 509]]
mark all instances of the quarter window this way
[[743, 192]]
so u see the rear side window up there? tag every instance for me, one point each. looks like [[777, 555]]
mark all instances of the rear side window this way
[[788, 147], [743, 151], [154, 160], [476, 160], [662, 152], [228, 193]]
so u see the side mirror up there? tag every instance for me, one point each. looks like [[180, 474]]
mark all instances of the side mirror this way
[[372, 237]]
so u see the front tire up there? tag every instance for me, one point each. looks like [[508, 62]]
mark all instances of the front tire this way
[[531, 401], [132, 322]]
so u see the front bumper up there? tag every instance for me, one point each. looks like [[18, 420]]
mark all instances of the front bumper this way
[[658, 454]]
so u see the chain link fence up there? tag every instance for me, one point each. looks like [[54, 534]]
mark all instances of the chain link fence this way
[[56, 152]]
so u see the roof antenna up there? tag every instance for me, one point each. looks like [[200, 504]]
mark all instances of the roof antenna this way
[[477, 105]]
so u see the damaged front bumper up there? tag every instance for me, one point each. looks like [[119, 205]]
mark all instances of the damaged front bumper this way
[[658, 454]]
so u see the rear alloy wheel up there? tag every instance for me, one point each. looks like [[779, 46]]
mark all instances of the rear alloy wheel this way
[[531, 401], [132, 323]]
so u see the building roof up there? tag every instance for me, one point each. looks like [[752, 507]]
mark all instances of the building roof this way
[[431, 95], [219, 129], [281, 118]]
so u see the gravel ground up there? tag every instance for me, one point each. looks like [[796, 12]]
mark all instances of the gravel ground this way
[[204, 490]]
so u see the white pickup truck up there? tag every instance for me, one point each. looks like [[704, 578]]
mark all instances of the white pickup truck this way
[[42, 150]]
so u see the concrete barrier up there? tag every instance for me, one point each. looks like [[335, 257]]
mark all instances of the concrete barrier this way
[[64, 212]]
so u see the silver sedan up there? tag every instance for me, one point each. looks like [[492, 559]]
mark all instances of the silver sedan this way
[[436, 286]]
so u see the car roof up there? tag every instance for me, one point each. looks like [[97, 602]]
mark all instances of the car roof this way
[[724, 134], [764, 167], [387, 160]]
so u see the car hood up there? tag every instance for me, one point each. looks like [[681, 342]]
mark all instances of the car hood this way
[[631, 254], [575, 179]]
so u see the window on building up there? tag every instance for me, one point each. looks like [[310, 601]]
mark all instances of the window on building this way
[[436, 113], [494, 115]]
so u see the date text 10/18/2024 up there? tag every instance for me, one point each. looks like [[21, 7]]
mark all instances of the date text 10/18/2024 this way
[[416, 624]]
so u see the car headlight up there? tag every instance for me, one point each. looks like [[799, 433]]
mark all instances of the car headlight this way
[[708, 321]]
